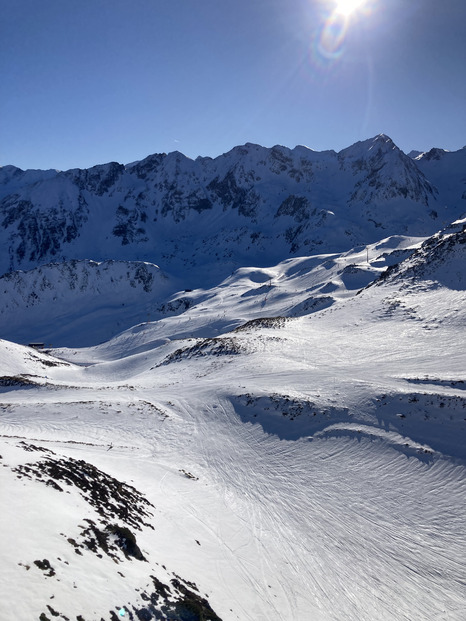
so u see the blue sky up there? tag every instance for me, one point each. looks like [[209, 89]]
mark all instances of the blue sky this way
[[91, 81]]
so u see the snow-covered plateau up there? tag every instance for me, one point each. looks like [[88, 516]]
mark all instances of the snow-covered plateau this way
[[228, 420]]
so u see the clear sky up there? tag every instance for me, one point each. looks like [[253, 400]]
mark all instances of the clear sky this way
[[85, 82]]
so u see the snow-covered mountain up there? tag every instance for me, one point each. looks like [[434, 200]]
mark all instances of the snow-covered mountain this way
[[252, 206], [276, 429], [446, 170], [80, 302]]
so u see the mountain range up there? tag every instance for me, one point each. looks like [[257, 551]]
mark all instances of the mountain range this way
[[251, 203]]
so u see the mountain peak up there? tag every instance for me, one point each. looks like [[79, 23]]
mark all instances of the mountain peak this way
[[383, 139], [434, 154], [380, 143]]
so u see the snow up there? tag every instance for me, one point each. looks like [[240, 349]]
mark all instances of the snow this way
[[298, 468], [80, 302]]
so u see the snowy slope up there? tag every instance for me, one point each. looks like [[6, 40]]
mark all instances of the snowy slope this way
[[273, 459], [80, 302], [439, 261]]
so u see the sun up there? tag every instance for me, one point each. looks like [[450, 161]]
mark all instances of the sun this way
[[347, 7]]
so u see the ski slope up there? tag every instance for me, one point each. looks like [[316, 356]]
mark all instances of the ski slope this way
[[297, 450]]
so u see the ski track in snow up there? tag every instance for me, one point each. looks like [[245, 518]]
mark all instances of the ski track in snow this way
[[330, 528]]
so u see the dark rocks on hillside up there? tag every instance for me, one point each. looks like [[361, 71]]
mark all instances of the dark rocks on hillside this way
[[111, 498], [295, 206]]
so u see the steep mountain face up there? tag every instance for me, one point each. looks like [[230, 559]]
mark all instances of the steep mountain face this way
[[252, 205], [447, 171]]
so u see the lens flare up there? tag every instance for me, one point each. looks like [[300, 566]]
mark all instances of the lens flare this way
[[329, 40], [330, 43]]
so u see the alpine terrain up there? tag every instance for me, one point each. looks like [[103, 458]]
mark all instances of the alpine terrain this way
[[235, 388]]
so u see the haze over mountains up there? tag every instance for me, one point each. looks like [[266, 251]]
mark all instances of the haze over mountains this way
[[254, 407]]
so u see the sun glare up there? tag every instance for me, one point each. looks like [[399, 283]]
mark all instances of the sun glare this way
[[337, 20], [347, 7]]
